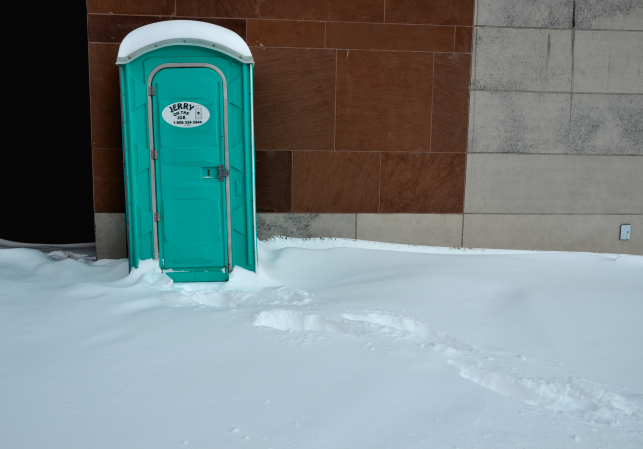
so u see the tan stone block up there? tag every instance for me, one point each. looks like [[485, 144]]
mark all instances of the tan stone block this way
[[411, 229], [111, 236], [553, 184], [587, 233]]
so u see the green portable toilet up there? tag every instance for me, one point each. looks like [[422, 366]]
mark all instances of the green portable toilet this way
[[188, 149]]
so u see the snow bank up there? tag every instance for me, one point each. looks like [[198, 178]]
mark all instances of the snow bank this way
[[332, 242], [336, 346], [72, 250]]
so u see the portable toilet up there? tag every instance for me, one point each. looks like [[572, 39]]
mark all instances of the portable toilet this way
[[188, 149]]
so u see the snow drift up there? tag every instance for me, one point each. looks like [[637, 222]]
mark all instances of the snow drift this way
[[331, 344]]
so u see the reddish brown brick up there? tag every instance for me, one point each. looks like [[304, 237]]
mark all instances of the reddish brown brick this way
[[111, 28], [104, 95], [450, 102], [145, 7], [294, 98], [109, 193], [371, 36], [463, 39], [286, 33], [273, 180], [340, 10], [430, 12], [422, 183], [335, 181], [384, 101], [218, 8]]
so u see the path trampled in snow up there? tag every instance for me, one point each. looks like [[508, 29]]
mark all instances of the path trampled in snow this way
[[332, 344]]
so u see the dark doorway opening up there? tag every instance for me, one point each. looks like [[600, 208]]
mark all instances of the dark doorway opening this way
[[46, 168]]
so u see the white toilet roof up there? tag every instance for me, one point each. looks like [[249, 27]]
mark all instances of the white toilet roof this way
[[182, 32]]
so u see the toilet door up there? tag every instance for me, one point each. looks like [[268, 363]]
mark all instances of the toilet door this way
[[190, 160]]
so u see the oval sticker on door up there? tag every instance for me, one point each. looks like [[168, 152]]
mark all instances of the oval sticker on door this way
[[186, 114]]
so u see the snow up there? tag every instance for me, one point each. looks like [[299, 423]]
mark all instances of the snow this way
[[76, 250], [332, 344], [181, 29]]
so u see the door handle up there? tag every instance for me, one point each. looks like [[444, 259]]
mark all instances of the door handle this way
[[223, 172]]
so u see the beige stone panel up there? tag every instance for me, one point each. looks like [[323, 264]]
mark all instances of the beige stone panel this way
[[305, 225], [607, 124], [520, 122], [553, 184], [523, 59], [609, 14], [588, 233], [525, 13], [608, 62], [111, 236], [411, 229]]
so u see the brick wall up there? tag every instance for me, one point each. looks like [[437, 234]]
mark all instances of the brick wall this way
[[360, 106]]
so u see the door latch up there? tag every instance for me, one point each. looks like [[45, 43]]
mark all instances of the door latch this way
[[222, 172]]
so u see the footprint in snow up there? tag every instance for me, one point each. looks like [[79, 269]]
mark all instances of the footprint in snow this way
[[571, 395]]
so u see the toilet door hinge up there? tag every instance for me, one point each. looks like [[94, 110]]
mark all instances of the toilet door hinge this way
[[150, 91], [157, 216], [155, 154]]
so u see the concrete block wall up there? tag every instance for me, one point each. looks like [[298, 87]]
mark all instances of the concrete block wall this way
[[555, 154]]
